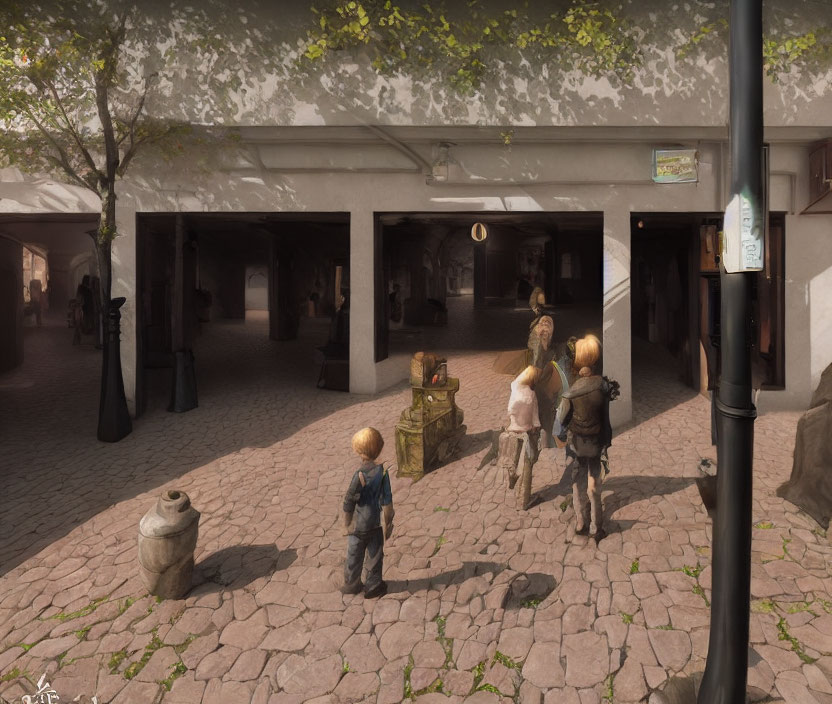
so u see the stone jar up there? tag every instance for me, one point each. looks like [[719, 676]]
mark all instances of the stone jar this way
[[167, 539]]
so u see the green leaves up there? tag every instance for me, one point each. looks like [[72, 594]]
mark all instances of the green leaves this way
[[811, 50], [463, 49]]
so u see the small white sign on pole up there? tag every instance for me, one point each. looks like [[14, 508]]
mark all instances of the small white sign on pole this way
[[743, 243]]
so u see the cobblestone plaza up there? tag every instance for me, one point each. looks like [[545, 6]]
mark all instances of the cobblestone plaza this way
[[485, 603]]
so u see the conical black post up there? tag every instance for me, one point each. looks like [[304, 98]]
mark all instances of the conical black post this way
[[113, 417], [726, 670], [183, 387]]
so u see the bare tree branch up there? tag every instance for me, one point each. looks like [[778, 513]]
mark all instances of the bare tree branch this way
[[152, 139], [63, 161], [71, 129], [131, 132], [69, 171]]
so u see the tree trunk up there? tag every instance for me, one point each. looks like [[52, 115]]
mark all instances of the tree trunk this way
[[104, 244], [113, 417]]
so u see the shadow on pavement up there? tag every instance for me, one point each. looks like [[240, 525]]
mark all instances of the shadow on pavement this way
[[523, 589], [253, 392], [238, 566], [471, 444], [626, 490]]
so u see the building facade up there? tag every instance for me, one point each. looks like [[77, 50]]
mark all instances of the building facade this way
[[579, 166]]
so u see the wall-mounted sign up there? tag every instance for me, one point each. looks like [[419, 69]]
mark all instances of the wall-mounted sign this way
[[675, 165], [479, 232]]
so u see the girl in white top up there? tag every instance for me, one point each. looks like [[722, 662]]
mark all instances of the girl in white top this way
[[522, 404]]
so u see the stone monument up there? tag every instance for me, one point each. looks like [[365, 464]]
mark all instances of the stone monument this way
[[429, 430], [167, 539], [810, 485]]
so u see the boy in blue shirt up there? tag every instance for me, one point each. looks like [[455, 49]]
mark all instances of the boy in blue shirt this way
[[368, 497]]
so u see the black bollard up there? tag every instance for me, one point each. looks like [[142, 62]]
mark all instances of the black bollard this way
[[183, 387], [726, 671], [113, 417]]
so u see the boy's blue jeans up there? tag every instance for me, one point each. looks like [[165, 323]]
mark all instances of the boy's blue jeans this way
[[364, 550]]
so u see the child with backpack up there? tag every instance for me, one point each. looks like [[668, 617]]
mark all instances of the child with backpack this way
[[368, 497]]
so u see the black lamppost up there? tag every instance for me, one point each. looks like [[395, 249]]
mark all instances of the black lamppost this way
[[726, 670]]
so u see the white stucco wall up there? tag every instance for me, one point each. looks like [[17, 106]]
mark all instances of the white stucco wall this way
[[808, 285], [667, 89], [613, 179]]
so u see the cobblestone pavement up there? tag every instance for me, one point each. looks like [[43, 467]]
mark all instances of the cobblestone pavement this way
[[486, 603]]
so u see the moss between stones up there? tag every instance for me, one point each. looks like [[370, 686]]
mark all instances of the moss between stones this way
[[478, 672], [178, 670], [126, 604], [800, 607], [440, 541], [785, 554], [763, 606], [506, 660], [435, 686], [446, 643], [634, 566], [26, 646], [182, 647], [136, 667], [85, 611], [697, 589], [11, 675], [608, 695], [693, 571], [408, 688], [116, 659], [489, 688], [797, 646]]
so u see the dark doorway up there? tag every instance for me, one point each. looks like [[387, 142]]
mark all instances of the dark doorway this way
[[664, 290], [251, 282], [676, 299], [43, 258], [439, 288]]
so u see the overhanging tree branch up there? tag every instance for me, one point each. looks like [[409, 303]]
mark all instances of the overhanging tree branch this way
[[63, 161], [131, 131], [73, 132]]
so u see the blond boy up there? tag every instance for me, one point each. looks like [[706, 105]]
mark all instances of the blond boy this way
[[368, 497]]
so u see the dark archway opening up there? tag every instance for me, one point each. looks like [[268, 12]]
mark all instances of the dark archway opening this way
[[676, 302], [438, 289], [258, 298]]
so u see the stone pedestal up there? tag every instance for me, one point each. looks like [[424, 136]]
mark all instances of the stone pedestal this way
[[167, 539], [428, 432]]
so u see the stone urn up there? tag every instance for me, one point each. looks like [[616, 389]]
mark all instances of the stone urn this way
[[167, 539]]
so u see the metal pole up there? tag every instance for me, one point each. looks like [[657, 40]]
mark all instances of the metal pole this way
[[726, 670]]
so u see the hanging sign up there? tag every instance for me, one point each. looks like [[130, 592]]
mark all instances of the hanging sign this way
[[675, 165], [479, 232], [742, 242]]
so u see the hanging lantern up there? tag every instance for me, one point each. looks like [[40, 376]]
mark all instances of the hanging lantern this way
[[479, 232]]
